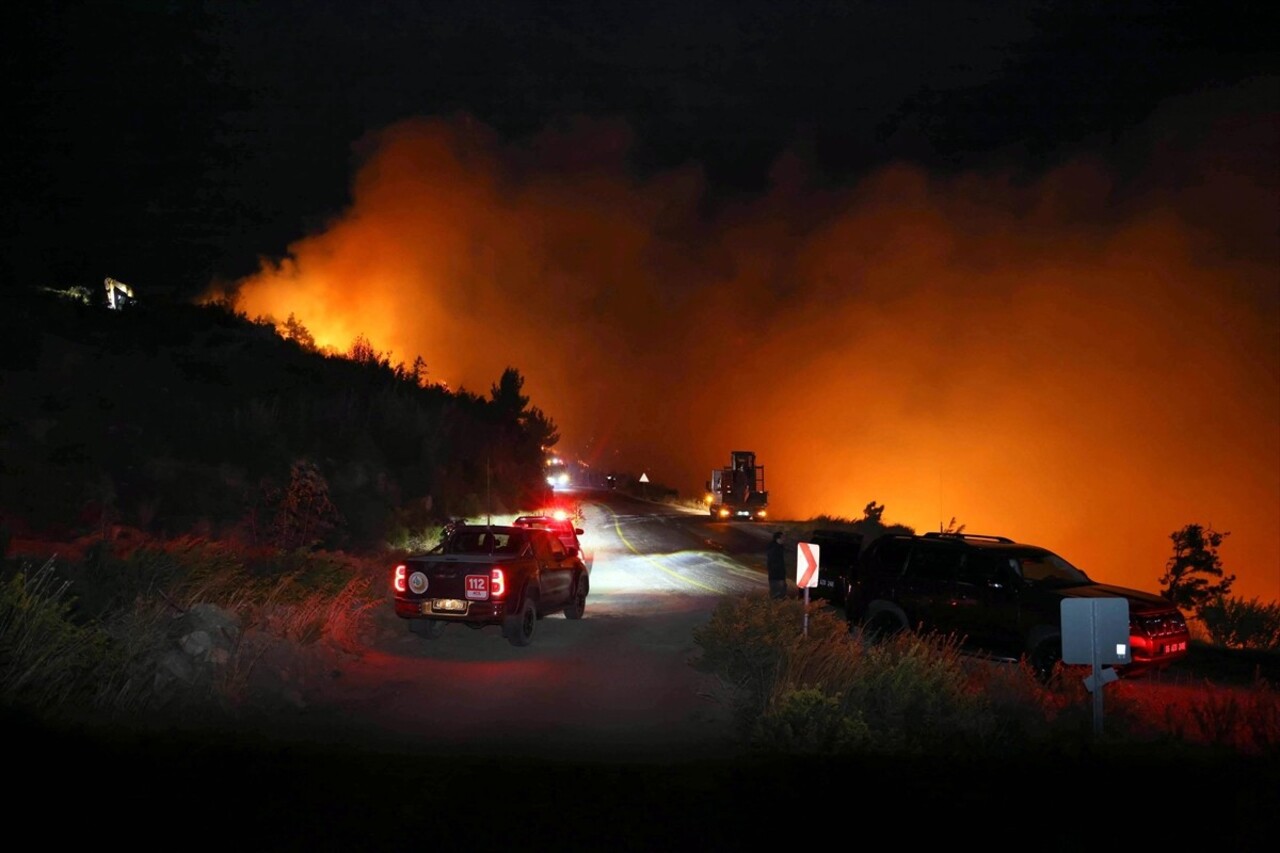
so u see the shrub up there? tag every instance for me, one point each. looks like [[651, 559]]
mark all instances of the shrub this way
[[45, 656], [1247, 721], [918, 697], [748, 641], [415, 538], [829, 691], [1240, 624], [112, 577], [808, 721]]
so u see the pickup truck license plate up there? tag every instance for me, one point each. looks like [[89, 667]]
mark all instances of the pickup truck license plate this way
[[448, 605]]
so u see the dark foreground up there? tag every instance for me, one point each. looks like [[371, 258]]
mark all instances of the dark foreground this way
[[256, 791]]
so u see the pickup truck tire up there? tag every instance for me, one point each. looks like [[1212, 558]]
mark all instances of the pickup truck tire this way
[[518, 627], [578, 599], [427, 628]]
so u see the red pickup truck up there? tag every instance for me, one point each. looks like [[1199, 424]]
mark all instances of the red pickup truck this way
[[491, 575]]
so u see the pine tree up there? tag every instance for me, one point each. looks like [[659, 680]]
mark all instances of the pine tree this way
[[1186, 581], [305, 514], [295, 331]]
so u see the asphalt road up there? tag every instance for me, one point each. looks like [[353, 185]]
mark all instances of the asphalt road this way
[[615, 685]]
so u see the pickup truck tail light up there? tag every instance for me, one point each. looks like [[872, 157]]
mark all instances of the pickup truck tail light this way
[[399, 579], [497, 583]]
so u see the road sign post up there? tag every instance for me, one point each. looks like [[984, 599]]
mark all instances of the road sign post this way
[[806, 574], [1095, 631]]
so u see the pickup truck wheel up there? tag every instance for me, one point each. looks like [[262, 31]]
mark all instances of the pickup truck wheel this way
[[578, 601], [428, 628], [519, 626]]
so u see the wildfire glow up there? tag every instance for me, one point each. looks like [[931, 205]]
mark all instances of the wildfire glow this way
[[1087, 361]]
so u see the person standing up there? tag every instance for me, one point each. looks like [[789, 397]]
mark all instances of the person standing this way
[[777, 566]]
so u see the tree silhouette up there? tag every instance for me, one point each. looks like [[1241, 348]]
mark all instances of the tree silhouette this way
[[1195, 560], [298, 333], [419, 372], [362, 351], [506, 397], [304, 514]]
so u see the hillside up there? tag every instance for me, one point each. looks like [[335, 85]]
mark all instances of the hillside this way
[[176, 418]]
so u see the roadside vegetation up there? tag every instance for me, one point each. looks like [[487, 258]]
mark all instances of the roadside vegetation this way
[[807, 685], [172, 630]]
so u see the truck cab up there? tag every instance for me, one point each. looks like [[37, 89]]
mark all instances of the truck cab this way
[[738, 492]]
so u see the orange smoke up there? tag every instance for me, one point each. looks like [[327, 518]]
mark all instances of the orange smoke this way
[[1086, 362]]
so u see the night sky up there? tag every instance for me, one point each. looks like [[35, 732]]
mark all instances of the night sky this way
[[1012, 263]]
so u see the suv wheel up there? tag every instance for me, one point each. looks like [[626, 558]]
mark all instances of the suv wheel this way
[[578, 601], [1045, 658], [882, 626]]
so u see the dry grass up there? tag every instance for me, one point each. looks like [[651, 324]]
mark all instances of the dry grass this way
[[43, 657], [55, 661], [1240, 718]]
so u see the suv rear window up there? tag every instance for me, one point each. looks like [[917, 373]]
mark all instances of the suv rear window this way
[[546, 546], [930, 561], [1051, 570], [889, 556], [983, 568]]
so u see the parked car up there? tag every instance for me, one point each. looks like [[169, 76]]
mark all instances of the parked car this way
[[1000, 597], [491, 575]]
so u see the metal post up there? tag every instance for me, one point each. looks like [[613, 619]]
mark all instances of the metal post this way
[[1097, 672]]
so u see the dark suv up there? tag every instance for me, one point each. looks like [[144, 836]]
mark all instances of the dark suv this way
[[1003, 598]]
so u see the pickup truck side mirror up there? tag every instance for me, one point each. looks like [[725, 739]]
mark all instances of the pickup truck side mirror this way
[[579, 531]]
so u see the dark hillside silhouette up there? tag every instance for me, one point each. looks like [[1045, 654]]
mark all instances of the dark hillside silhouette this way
[[177, 418]]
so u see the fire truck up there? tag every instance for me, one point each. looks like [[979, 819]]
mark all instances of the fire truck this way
[[737, 492]]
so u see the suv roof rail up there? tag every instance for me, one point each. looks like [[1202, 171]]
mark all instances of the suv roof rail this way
[[935, 535]]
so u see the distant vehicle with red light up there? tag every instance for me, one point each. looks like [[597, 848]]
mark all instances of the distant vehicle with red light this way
[[511, 576], [560, 524]]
